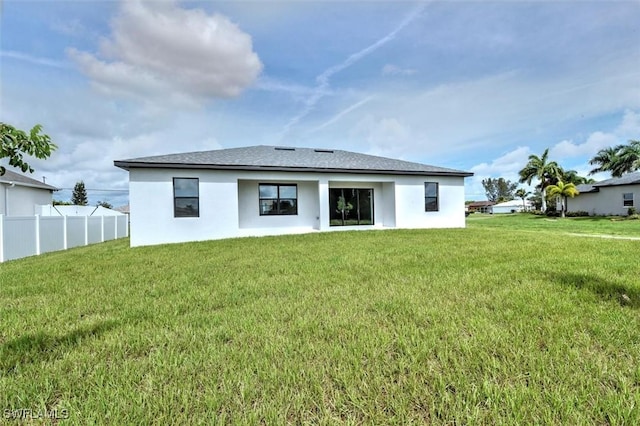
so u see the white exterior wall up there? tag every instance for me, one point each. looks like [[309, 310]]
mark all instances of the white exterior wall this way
[[409, 195], [606, 202], [151, 207], [21, 200], [229, 207], [251, 223]]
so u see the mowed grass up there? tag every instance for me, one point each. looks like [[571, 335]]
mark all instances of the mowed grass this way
[[592, 225], [485, 325]]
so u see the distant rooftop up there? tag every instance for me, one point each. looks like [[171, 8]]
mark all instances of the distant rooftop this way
[[276, 158], [10, 177]]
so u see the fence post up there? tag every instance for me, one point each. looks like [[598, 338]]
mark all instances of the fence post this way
[[115, 221], [65, 243], [37, 225], [1, 238], [102, 229], [86, 230]]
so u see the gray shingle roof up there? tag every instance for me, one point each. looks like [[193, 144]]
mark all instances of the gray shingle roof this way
[[586, 187], [287, 159], [22, 180], [628, 179]]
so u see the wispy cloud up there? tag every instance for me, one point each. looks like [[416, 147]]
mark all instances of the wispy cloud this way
[[323, 80], [391, 69], [33, 59], [341, 114]]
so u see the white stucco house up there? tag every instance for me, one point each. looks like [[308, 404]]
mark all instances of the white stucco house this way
[[611, 197], [21, 195], [512, 206], [267, 190]]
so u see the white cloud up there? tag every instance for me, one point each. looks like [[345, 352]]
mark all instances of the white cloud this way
[[595, 142], [158, 48], [393, 70], [506, 166], [629, 128]]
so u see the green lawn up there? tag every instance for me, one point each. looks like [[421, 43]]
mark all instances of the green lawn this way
[[594, 225], [511, 320]]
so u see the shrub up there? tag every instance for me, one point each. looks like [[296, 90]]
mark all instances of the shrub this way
[[553, 213], [578, 213], [634, 216], [537, 212], [631, 211]]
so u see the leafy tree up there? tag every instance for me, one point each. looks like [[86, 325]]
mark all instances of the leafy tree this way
[[536, 199], [79, 196], [14, 143], [545, 171], [522, 193], [61, 203], [618, 160], [562, 190], [104, 204], [499, 190]]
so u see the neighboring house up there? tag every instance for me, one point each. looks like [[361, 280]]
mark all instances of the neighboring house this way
[[75, 210], [266, 190], [481, 206], [21, 195], [609, 197], [512, 206]]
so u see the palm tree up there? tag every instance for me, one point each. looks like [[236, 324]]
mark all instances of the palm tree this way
[[605, 159], [618, 159], [629, 158], [572, 176], [562, 190], [522, 193], [545, 171]]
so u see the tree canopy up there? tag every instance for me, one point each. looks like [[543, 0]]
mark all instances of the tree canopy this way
[[499, 190], [15, 143], [79, 196]]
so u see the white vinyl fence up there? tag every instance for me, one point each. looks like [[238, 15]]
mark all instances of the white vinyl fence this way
[[22, 236]]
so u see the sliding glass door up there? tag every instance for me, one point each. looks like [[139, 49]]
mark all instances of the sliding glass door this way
[[350, 206]]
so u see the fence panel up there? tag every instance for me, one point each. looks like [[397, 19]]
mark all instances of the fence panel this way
[[51, 234], [109, 228], [94, 228], [75, 231], [123, 226], [19, 237], [22, 236]]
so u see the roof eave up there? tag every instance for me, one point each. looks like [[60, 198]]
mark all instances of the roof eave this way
[[30, 185], [127, 165]]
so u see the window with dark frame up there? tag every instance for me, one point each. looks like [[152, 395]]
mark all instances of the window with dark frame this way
[[186, 197], [431, 197], [278, 199], [627, 199]]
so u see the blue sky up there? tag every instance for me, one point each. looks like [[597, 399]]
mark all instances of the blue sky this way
[[472, 85]]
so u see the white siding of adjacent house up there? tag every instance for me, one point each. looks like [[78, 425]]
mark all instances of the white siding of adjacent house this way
[[228, 204], [606, 202], [21, 200]]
